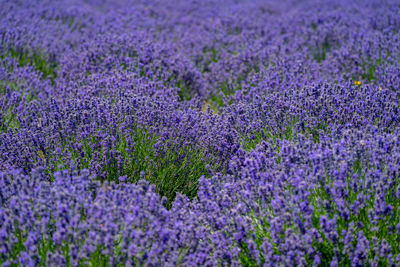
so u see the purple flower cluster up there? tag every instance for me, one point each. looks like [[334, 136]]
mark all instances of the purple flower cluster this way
[[200, 133]]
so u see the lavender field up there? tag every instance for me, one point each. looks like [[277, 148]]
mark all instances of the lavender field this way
[[199, 133]]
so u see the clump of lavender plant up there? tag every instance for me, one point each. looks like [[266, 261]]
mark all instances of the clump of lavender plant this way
[[208, 133]]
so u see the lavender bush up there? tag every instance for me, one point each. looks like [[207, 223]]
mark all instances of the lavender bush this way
[[200, 133]]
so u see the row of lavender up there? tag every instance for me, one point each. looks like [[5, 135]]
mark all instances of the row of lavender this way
[[199, 133]]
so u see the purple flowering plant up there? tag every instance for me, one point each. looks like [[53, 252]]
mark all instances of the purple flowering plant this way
[[199, 133]]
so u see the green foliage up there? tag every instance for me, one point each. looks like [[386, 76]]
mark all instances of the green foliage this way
[[35, 59], [292, 129], [184, 93], [98, 259], [19, 245], [217, 101], [245, 257], [8, 121], [176, 169], [251, 140]]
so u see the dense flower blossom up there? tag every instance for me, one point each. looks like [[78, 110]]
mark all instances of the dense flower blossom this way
[[200, 133]]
